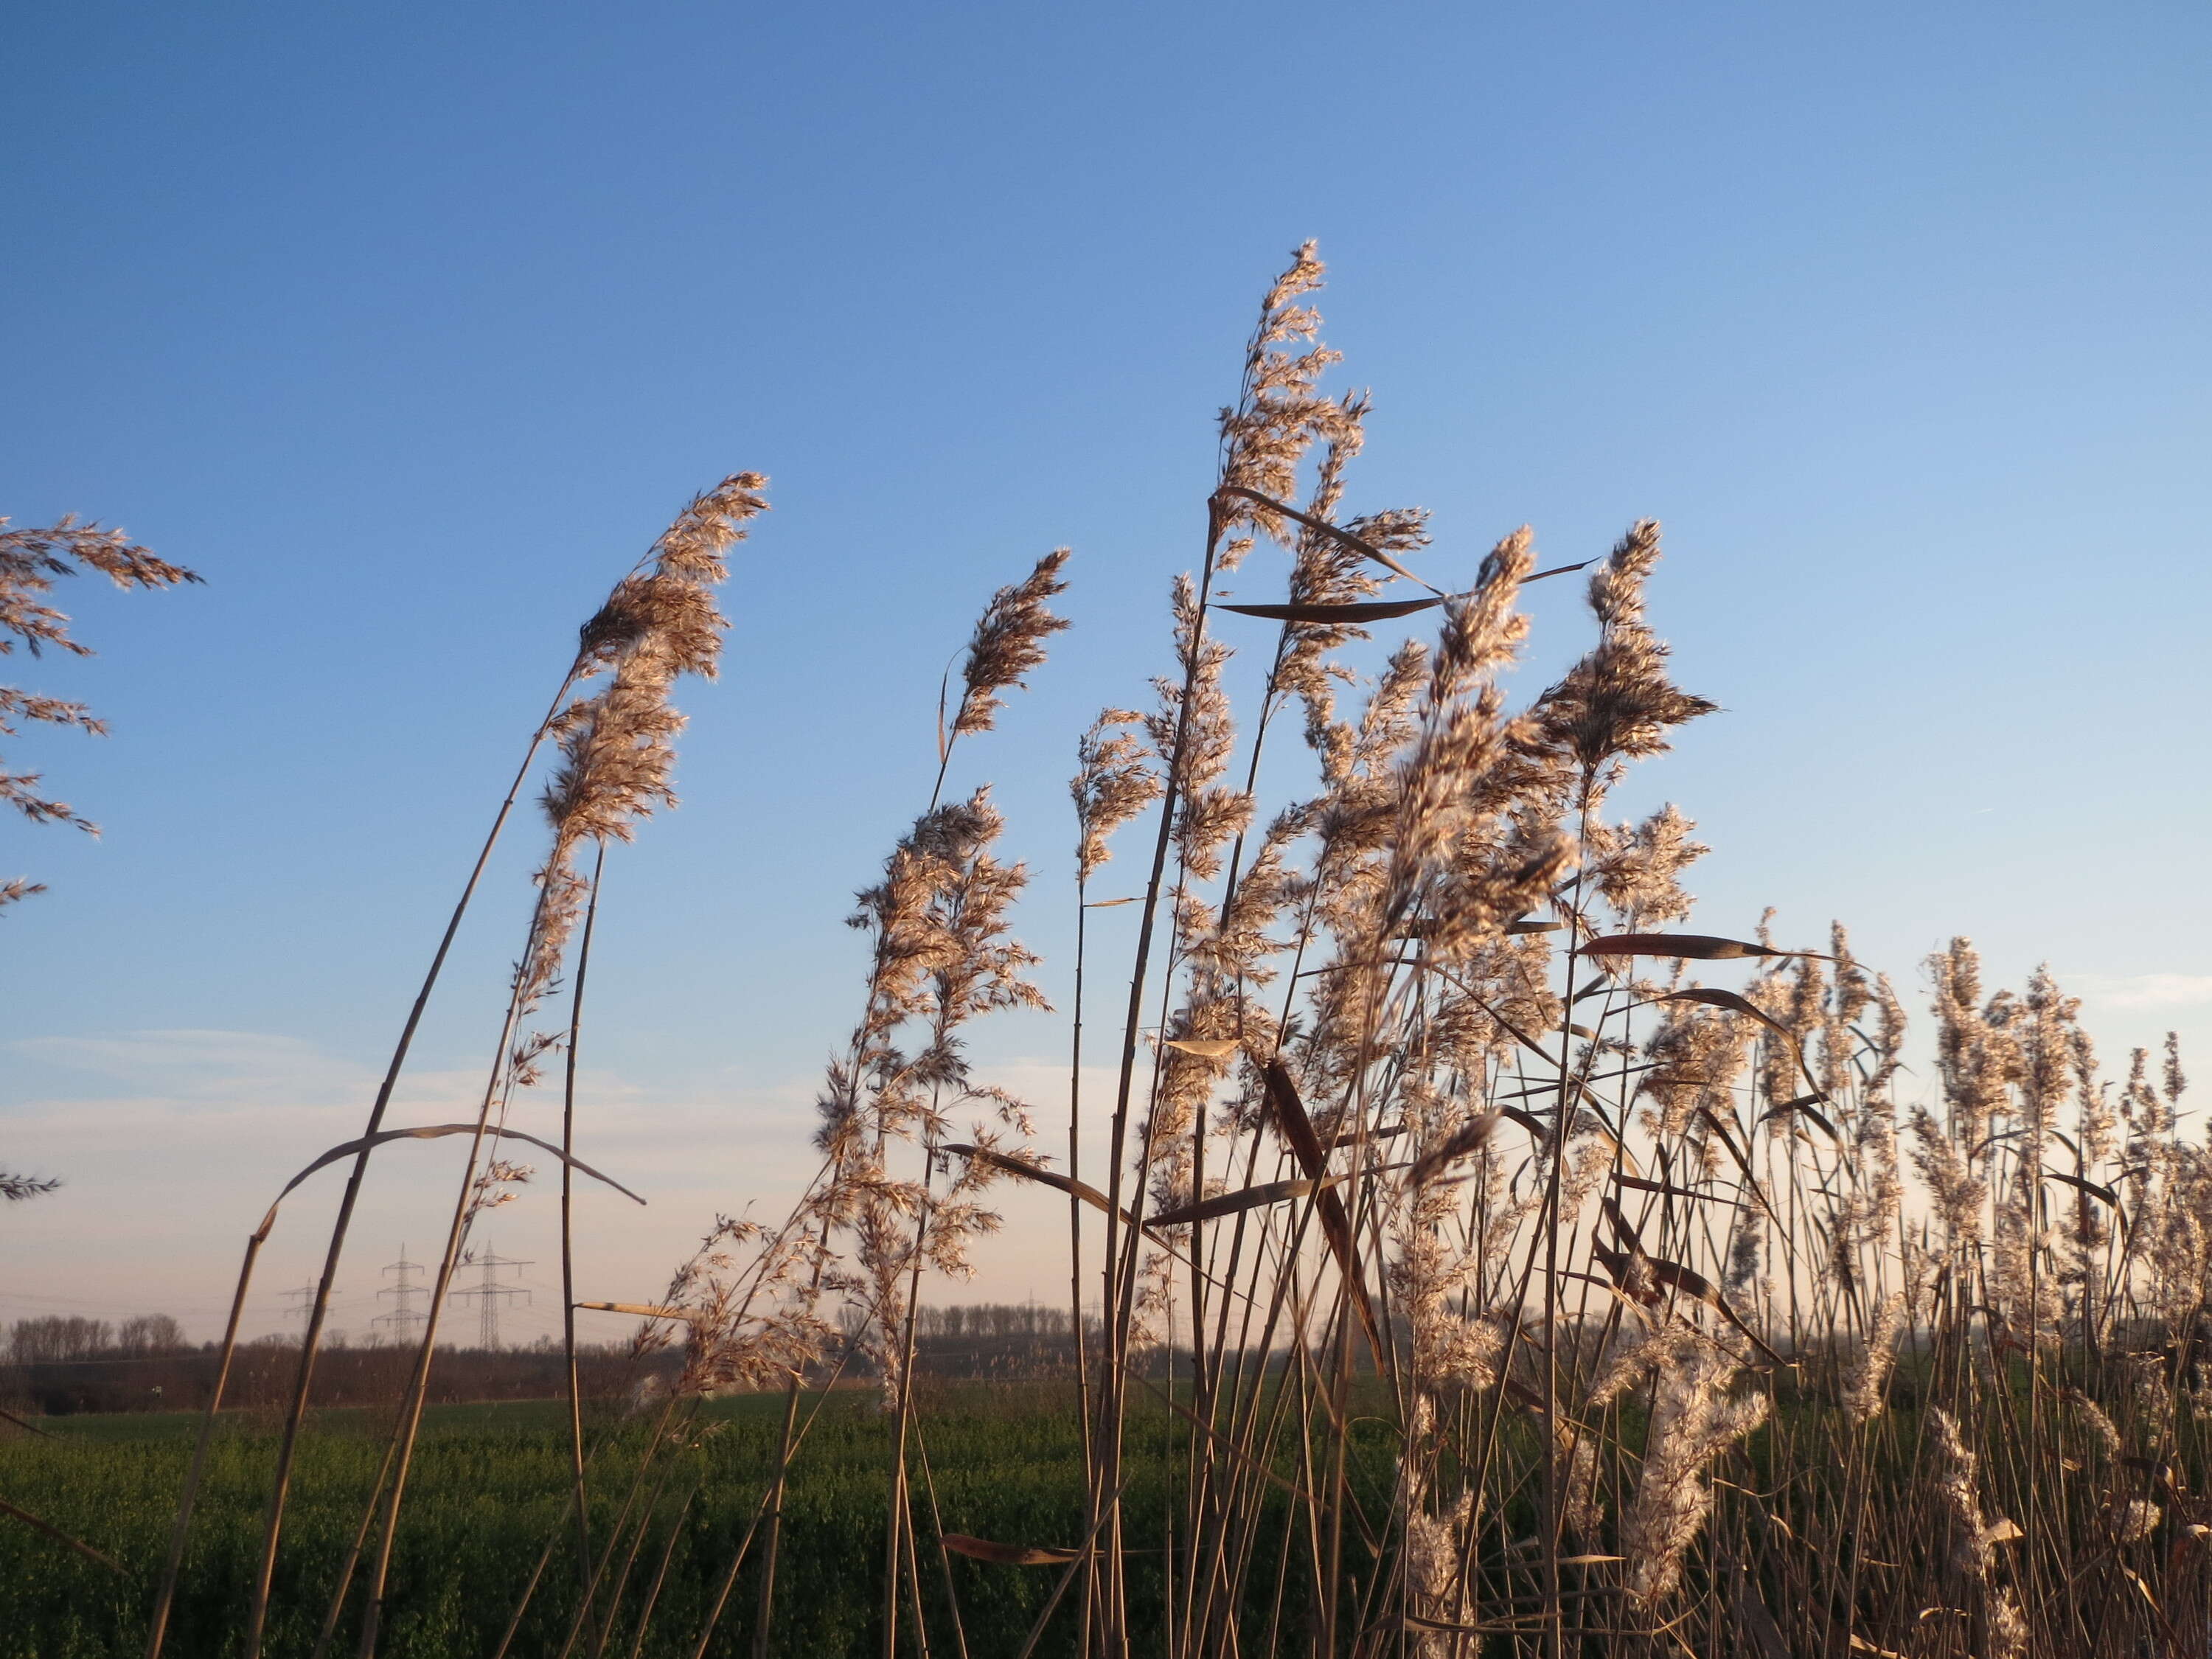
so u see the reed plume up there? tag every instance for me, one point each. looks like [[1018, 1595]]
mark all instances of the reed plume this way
[[31, 560]]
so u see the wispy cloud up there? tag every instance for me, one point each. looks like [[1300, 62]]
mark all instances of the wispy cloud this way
[[200, 1065]]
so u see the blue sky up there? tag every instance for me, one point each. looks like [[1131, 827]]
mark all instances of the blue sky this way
[[409, 327]]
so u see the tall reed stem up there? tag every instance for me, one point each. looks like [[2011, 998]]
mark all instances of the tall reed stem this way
[[295, 1413], [567, 1228]]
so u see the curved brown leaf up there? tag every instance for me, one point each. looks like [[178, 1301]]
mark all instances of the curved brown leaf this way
[[1013, 1166], [1527, 1120], [1712, 997], [1804, 1106], [1665, 1191], [1006, 1555], [1298, 1130], [1245, 1198], [436, 1132], [1323, 527], [1353, 1136], [1350, 615], [1203, 1048], [1560, 570], [2107, 1195], [1469, 1138], [1701, 947], [1672, 1275], [2089, 1186]]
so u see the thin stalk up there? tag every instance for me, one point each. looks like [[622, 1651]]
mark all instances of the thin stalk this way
[[280, 1486], [1075, 1257], [1552, 1222], [165, 1597], [411, 1412], [568, 1229], [1118, 1306]]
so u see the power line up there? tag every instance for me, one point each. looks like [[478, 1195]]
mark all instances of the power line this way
[[405, 1321], [490, 1294]]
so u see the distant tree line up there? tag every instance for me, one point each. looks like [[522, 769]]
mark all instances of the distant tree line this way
[[58, 1365], [62, 1365], [989, 1319], [57, 1337]]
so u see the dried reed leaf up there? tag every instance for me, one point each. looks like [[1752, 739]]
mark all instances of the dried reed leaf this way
[[1803, 1106], [1612, 1289], [1323, 527], [1245, 1198], [1353, 1136], [1203, 1048], [1013, 1166], [1742, 1162], [1468, 1139], [1006, 1555], [1712, 997], [1298, 1131], [1526, 926], [1371, 611], [1673, 1276], [1660, 1186], [1560, 570], [1701, 947], [437, 1131], [1527, 1120], [2107, 1193]]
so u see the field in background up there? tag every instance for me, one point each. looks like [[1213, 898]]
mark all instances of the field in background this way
[[1007, 1461]]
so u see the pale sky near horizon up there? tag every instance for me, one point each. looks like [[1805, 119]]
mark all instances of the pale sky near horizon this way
[[408, 327]]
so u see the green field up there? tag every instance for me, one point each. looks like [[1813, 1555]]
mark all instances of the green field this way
[[488, 1490]]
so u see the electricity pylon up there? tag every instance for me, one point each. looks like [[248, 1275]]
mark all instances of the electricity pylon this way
[[303, 1302], [490, 1294], [405, 1320]]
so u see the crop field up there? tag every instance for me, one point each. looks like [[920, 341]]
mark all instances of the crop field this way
[[491, 1485]]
